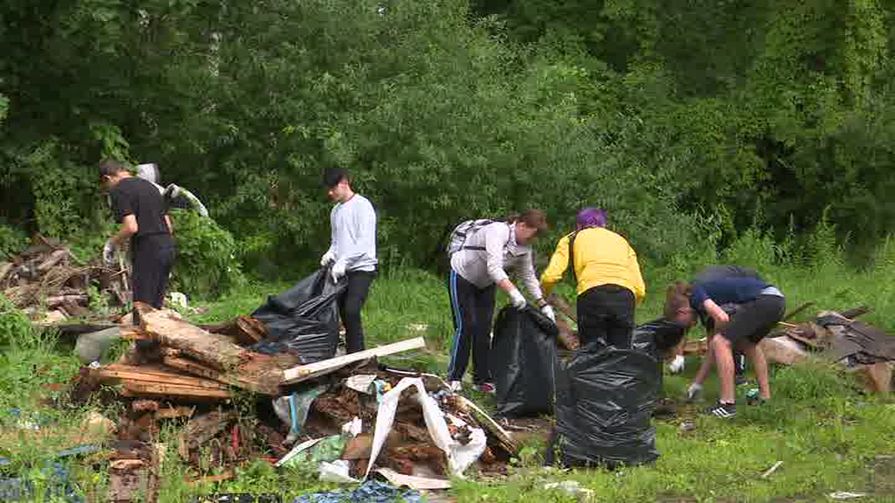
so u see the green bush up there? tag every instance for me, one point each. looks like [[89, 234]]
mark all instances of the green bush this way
[[15, 327], [12, 241], [207, 257]]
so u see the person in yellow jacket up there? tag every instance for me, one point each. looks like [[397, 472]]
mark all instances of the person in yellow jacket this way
[[608, 276]]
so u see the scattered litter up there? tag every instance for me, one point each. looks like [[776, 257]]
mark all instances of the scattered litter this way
[[417, 483], [362, 383], [336, 471], [293, 409], [570, 487], [687, 426], [842, 495], [771, 470], [307, 444], [353, 428], [324, 449], [371, 491]]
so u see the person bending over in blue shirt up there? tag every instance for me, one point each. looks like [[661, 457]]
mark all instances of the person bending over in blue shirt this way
[[759, 306]]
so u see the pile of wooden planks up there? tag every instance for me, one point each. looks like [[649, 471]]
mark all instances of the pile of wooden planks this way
[[181, 361]]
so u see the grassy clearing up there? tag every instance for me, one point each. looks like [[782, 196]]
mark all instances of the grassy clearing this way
[[827, 434]]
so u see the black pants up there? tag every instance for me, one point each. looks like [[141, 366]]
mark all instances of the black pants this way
[[153, 257], [473, 310], [351, 301], [606, 316]]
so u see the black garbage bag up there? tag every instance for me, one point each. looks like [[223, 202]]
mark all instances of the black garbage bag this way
[[523, 354], [303, 320], [604, 402], [656, 337]]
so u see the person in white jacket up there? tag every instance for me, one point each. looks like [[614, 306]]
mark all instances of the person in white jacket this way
[[477, 268], [352, 252]]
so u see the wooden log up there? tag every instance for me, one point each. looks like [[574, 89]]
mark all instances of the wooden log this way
[[52, 260], [56, 300], [316, 369], [213, 350]]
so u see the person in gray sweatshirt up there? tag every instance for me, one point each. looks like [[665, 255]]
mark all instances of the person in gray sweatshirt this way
[[478, 267], [352, 252]]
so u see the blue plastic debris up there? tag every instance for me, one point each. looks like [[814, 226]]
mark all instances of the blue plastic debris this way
[[371, 491]]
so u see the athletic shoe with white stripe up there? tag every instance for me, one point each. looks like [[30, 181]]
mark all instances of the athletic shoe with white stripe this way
[[722, 410]]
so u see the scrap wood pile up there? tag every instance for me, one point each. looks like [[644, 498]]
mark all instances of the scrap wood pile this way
[[47, 278], [859, 347], [347, 414]]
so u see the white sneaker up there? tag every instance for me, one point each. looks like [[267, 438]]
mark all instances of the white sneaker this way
[[455, 386]]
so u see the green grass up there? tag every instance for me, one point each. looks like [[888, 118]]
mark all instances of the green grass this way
[[825, 431]]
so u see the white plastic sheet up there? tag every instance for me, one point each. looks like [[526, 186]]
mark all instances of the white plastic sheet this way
[[459, 456]]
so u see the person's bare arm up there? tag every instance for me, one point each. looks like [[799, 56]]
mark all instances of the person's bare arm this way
[[170, 223], [128, 228]]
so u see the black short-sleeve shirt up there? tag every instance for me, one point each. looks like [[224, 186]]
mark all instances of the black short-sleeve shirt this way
[[139, 197]]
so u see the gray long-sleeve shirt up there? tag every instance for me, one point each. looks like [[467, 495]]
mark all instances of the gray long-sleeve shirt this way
[[353, 226], [501, 253]]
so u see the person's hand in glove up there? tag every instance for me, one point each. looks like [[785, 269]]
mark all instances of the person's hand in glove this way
[[338, 271], [676, 365], [328, 258], [547, 309], [109, 250], [516, 299]]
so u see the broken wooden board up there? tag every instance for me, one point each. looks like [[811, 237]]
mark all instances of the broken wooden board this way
[[238, 366], [696, 347], [245, 329], [117, 373], [877, 377], [201, 429], [213, 350], [171, 412], [138, 389], [323, 367], [782, 350], [266, 381]]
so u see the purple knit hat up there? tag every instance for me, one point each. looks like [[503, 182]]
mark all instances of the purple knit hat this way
[[590, 217]]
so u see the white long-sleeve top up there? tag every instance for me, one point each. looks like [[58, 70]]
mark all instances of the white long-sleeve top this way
[[501, 254], [353, 240]]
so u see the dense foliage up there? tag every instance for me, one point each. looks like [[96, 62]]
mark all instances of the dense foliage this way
[[691, 121]]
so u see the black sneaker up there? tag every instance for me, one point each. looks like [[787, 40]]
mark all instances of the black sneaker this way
[[722, 410]]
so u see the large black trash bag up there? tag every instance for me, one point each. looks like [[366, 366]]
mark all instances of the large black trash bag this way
[[303, 320], [604, 401], [656, 337], [523, 354]]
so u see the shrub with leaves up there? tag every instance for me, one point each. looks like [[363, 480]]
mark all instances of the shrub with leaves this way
[[207, 264]]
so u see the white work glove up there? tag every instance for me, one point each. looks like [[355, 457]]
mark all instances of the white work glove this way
[[677, 364], [517, 299], [548, 312], [109, 250], [328, 258], [338, 271]]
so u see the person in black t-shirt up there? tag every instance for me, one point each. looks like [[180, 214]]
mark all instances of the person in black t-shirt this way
[[144, 219]]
